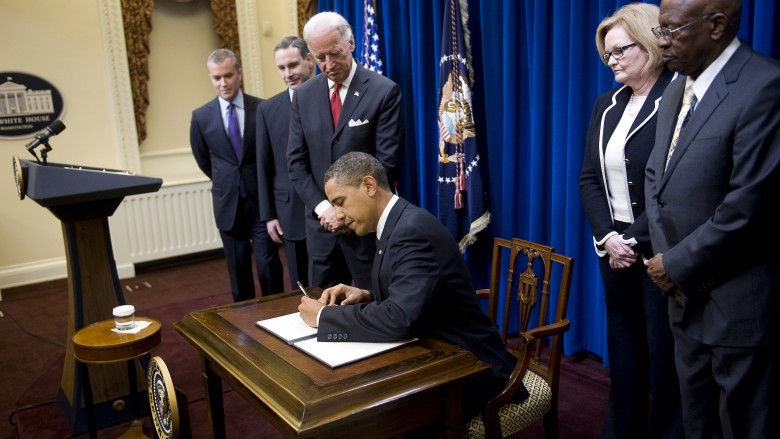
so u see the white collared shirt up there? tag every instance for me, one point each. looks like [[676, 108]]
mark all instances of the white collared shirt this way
[[238, 104], [703, 82], [344, 84], [383, 218]]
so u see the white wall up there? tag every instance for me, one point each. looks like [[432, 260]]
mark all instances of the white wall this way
[[78, 47]]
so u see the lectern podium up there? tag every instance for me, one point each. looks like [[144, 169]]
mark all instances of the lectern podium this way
[[83, 198]]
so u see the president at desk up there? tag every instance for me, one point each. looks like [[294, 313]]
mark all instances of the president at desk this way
[[386, 395], [421, 286]]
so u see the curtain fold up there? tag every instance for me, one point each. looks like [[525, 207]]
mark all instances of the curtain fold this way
[[226, 25], [537, 75], [137, 22]]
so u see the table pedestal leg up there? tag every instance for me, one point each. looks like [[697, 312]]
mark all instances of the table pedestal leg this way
[[89, 404], [213, 384]]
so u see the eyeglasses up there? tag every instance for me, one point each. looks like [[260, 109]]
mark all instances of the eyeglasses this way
[[617, 53], [663, 32]]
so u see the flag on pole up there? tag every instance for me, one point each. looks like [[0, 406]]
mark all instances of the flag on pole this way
[[461, 198], [370, 53]]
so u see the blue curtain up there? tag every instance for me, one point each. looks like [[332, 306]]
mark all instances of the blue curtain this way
[[537, 75]]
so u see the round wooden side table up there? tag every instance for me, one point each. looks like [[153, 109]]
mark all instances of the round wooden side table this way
[[98, 344]]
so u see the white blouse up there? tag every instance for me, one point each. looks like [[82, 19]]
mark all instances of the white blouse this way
[[615, 166]]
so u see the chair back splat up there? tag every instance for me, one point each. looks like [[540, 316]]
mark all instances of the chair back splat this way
[[530, 284]]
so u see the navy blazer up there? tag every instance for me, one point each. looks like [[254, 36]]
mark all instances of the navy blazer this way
[[421, 286], [607, 112], [711, 211], [278, 198], [214, 154], [370, 122]]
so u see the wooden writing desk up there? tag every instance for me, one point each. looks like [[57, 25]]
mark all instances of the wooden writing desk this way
[[385, 395]]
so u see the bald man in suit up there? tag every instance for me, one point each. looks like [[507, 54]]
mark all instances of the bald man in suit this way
[[370, 121], [710, 200], [234, 179], [280, 205]]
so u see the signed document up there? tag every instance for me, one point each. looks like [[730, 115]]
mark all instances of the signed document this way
[[292, 329]]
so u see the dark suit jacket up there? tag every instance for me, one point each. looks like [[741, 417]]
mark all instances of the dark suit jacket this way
[[710, 212], [278, 198], [607, 112], [421, 285], [314, 145], [216, 158]]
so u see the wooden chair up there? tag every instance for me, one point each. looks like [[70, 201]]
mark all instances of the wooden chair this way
[[540, 305], [168, 405]]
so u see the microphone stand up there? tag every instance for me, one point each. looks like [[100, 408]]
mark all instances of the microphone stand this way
[[45, 151], [32, 151]]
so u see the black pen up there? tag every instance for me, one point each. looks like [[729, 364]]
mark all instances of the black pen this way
[[300, 285]]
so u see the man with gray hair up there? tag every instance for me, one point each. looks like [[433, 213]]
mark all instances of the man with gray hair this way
[[345, 108], [222, 137]]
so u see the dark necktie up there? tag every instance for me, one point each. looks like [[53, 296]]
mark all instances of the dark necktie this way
[[335, 104], [234, 133]]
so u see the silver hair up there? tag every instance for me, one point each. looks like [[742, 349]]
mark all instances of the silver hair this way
[[220, 55], [325, 21]]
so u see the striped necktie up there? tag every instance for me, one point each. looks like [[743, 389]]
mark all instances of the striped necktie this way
[[686, 110]]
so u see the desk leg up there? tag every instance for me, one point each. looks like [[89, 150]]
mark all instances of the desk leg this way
[[216, 408], [88, 401], [452, 427], [132, 377]]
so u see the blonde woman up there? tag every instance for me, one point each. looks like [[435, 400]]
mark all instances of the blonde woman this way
[[620, 138]]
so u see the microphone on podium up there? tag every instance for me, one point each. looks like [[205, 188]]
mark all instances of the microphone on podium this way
[[43, 136]]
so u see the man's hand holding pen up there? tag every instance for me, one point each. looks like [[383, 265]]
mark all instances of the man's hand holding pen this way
[[309, 307]]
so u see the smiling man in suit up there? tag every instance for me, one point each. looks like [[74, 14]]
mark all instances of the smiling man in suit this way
[[280, 205], [345, 108], [222, 137], [710, 200]]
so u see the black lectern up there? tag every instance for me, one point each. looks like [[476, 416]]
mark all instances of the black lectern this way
[[83, 198]]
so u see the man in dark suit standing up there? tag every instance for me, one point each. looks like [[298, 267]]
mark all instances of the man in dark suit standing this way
[[420, 283], [345, 108], [222, 137], [280, 205], [711, 188]]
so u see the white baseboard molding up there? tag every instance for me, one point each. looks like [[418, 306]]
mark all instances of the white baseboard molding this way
[[34, 272], [125, 271], [46, 270]]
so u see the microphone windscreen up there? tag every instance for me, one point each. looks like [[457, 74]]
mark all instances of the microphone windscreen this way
[[56, 127]]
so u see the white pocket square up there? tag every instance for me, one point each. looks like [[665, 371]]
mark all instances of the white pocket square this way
[[357, 123]]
